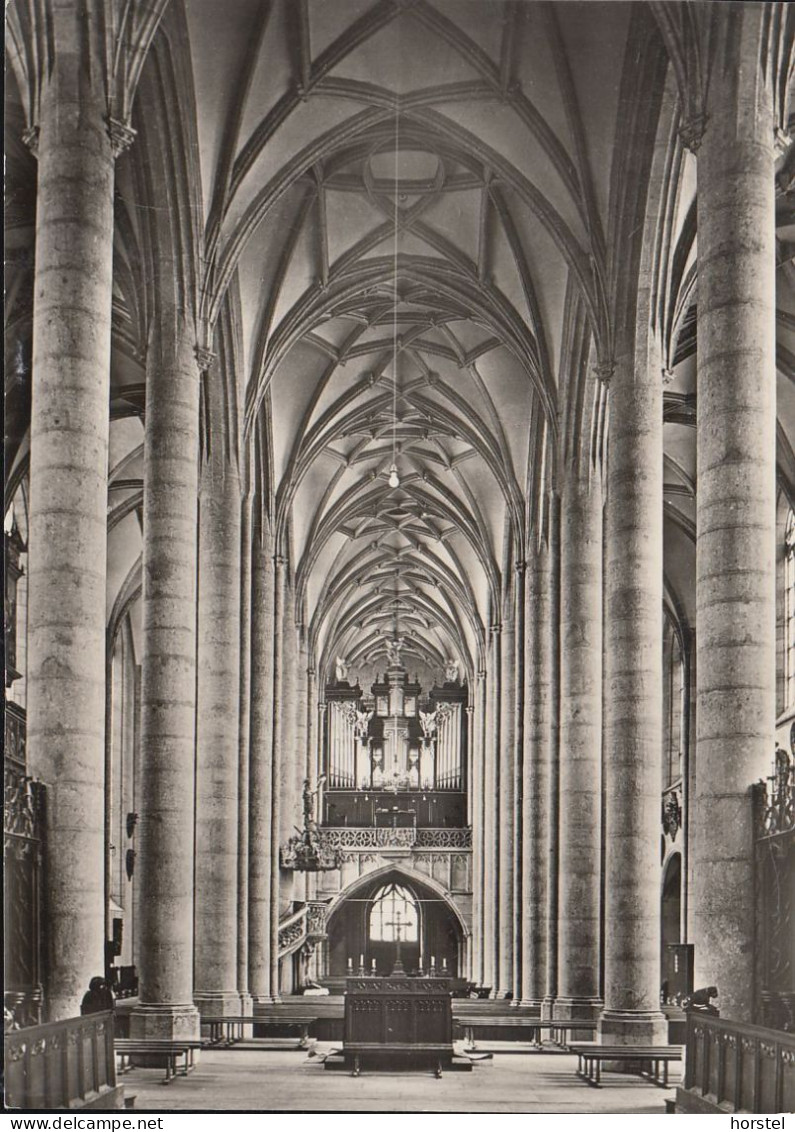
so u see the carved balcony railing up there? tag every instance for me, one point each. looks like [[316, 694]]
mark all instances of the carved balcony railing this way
[[736, 1067], [23, 826], [307, 925], [292, 932], [364, 837], [774, 867], [62, 1065]]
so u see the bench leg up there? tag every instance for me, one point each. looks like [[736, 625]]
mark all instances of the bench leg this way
[[438, 1073], [304, 1042]]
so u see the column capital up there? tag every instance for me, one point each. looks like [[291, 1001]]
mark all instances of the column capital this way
[[691, 131], [604, 371], [121, 135], [482, 674], [30, 137], [496, 628], [781, 140], [204, 357], [469, 709], [279, 560], [520, 567], [667, 377], [321, 707]]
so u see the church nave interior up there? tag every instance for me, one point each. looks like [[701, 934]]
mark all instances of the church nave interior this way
[[399, 530]]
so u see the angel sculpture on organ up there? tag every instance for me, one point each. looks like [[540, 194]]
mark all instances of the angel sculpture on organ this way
[[428, 723], [341, 669], [362, 723], [393, 650]]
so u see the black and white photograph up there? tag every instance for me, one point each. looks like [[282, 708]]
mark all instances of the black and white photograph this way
[[399, 559]]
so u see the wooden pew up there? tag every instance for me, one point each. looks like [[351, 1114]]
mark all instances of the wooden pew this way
[[170, 1050], [590, 1056], [557, 1028], [228, 1028]]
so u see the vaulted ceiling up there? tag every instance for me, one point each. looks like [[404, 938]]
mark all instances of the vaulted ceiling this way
[[407, 216]]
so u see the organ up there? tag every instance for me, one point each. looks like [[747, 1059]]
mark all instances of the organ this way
[[395, 755]]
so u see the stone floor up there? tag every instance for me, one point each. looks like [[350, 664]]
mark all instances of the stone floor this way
[[286, 1080]]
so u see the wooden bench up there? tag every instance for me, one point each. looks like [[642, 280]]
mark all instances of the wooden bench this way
[[558, 1028], [228, 1028], [657, 1058], [170, 1050]]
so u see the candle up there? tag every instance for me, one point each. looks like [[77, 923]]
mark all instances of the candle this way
[[361, 960], [350, 963], [433, 960], [374, 964], [420, 960], [444, 964]]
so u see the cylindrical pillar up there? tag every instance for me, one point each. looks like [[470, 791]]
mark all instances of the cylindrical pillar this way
[[311, 767], [243, 767], [633, 701], [166, 831], [517, 682], [281, 730], [215, 977], [580, 837], [536, 772], [477, 793], [554, 754], [505, 800], [260, 801], [490, 814], [735, 583], [68, 516]]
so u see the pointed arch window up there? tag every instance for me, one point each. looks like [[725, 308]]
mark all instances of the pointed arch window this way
[[392, 905], [789, 609]]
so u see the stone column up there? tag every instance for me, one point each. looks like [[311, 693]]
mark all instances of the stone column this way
[[580, 748], [633, 702], [168, 711], [298, 746], [490, 814], [478, 792], [243, 776], [260, 800], [281, 727], [554, 752], [536, 773], [518, 783], [76, 146], [735, 584], [505, 801], [311, 768], [215, 976]]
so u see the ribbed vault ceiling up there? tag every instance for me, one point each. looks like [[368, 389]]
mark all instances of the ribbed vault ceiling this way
[[400, 191], [408, 215]]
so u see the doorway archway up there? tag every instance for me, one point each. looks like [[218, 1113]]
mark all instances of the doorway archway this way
[[363, 927]]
